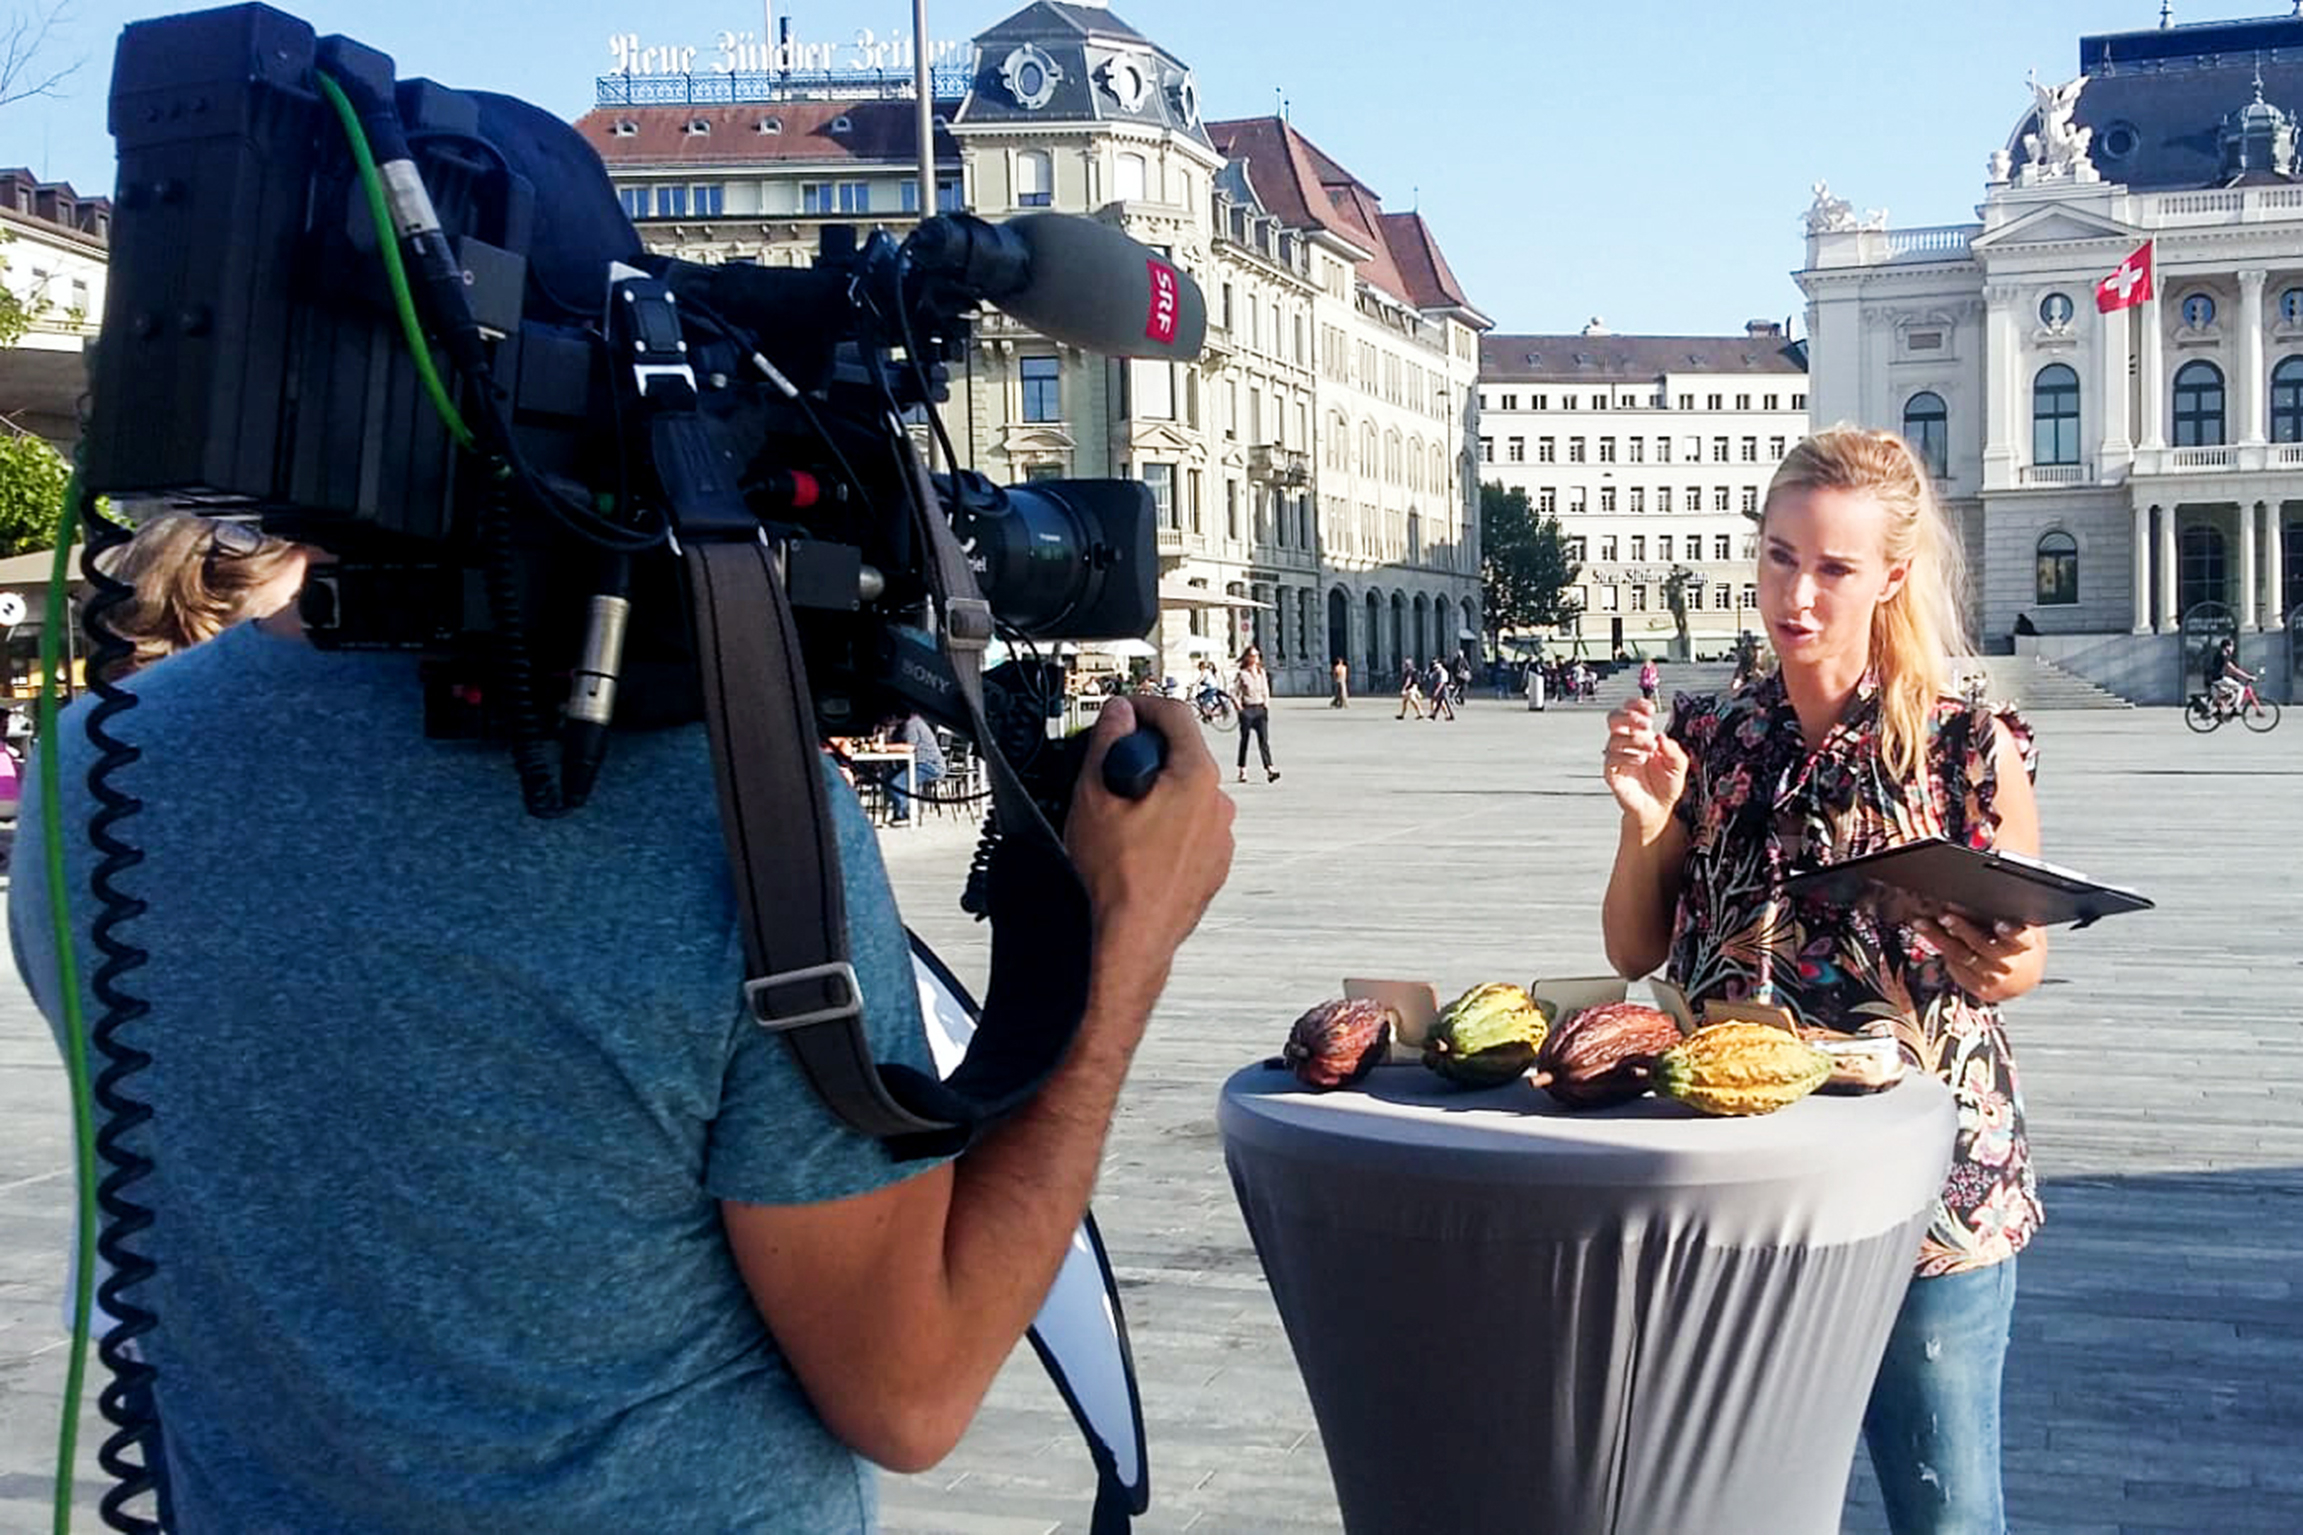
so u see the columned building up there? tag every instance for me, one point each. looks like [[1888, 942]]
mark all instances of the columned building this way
[[2119, 477], [1320, 305], [1653, 452]]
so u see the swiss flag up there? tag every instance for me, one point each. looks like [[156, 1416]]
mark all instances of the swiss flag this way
[[2129, 284]]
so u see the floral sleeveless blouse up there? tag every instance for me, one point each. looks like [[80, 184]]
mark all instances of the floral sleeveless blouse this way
[[1760, 806]]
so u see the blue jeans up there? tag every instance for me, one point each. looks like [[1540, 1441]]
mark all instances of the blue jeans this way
[[1933, 1422]]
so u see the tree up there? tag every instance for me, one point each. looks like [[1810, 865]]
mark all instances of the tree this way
[[24, 37], [32, 480], [1525, 570]]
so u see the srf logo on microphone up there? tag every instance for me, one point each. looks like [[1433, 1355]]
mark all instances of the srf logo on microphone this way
[[1160, 320]]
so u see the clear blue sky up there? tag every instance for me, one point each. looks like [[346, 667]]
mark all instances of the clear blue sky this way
[[1643, 161]]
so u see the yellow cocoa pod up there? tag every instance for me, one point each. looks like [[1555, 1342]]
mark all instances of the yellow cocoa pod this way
[[1740, 1068]]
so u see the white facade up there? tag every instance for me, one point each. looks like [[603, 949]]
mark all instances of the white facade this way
[[1649, 467], [2110, 473]]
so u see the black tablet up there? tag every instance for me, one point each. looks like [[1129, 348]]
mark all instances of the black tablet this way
[[1992, 885]]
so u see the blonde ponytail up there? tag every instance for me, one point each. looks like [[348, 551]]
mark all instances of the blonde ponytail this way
[[1914, 633]]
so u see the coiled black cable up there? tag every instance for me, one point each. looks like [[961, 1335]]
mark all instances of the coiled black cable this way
[[515, 669], [135, 1455]]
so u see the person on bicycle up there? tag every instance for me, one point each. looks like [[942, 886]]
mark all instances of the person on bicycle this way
[[2226, 678], [1207, 684]]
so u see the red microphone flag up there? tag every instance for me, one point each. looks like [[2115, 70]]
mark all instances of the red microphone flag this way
[[2129, 284]]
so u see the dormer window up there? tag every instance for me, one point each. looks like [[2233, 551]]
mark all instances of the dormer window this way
[[698, 127], [769, 125], [843, 124], [626, 128]]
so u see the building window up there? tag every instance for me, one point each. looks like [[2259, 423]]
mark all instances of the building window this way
[[947, 196], [2291, 306], [1663, 450], [2055, 313], [1546, 450], [1775, 402], [2201, 568], [1129, 183], [1687, 402], [1639, 599], [1638, 498], [1607, 548], [1663, 498], [1722, 596], [635, 201], [2198, 311], [1711, 401], [2056, 583], [707, 198], [1636, 450], [1487, 450], [1607, 599], [671, 202], [1719, 450], [1518, 450], [1749, 596], [1775, 449], [1575, 450], [1750, 500], [2055, 415], [1043, 389], [1607, 498], [1721, 543], [1231, 509], [1638, 547], [1607, 450], [1547, 501], [1719, 498], [1035, 179], [1663, 546], [2199, 405], [1927, 427], [1751, 450], [835, 197], [1743, 402], [2287, 400], [1799, 402], [1159, 479], [1575, 551]]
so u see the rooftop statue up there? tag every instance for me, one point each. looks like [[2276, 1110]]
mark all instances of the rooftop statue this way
[[2058, 149]]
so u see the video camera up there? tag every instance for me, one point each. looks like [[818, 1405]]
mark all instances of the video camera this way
[[506, 448]]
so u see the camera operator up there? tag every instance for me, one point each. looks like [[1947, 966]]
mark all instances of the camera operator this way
[[481, 1203]]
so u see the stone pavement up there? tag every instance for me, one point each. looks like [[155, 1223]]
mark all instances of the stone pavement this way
[[2156, 1379]]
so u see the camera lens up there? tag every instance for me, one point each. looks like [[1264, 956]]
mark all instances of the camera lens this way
[[1061, 559]]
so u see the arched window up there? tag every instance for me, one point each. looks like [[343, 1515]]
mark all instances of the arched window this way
[[2056, 582], [2287, 400], [2199, 405], [1130, 183], [2055, 415], [2201, 567], [1927, 427], [1035, 179]]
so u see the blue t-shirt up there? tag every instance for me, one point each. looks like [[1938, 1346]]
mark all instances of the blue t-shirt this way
[[446, 1097]]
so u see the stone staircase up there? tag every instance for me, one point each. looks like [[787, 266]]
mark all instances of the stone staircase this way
[[2031, 683]]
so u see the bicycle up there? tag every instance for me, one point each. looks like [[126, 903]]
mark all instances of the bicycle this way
[[1215, 707], [2206, 714]]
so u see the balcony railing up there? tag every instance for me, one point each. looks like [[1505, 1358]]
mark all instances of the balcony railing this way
[[1939, 242], [2057, 474], [2243, 203], [2202, 458], [2287, 455], [1172, 542], [1284, 466]]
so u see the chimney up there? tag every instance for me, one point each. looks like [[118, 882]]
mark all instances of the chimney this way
[[1762, 330]]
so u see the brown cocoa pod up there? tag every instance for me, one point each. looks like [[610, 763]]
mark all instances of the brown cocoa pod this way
[[1602, 1055], [1337, 1043]]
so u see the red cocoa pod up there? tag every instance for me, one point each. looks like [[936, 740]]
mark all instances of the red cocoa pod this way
[[1601, 1055], [1337, 1043]]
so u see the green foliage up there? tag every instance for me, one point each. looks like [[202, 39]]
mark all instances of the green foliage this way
[[15, 315], [32, 480], [1524, 569]]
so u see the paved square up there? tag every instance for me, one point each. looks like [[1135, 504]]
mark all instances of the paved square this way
[[2156, 1379]]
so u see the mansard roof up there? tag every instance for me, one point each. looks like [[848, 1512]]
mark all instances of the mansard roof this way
[[878, 131], [1625, 359], [1092, 51], [2156, 99]]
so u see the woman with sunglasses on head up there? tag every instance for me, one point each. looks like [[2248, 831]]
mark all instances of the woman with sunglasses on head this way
[[1856, 743], [194, 577]]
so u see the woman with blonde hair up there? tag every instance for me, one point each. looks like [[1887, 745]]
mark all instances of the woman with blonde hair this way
[[1854, 743], [194, 577]]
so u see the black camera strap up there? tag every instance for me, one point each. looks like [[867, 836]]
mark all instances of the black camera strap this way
[[784, 859]]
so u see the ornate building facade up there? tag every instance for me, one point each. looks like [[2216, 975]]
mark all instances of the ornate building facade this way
[[2120, 477], [1653, 452], [1328, 318]]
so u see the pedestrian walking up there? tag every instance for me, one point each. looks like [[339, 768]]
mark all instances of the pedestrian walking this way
[[1251, 687], [1436, 680], [1649, 679], [1410, 692], [1340, 680]]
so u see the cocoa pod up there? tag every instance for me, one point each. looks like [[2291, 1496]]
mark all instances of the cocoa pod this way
[[1603, 1055], [1337, 1043]]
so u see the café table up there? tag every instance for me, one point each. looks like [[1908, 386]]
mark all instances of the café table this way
[[1635, 1320], [889, 767]]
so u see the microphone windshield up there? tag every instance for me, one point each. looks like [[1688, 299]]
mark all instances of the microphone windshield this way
[[1092, 287]]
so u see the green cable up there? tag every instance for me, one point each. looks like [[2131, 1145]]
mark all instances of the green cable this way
[[57, 619], [373, 183]]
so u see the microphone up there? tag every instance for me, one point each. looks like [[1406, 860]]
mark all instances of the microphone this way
[[1071, 279]]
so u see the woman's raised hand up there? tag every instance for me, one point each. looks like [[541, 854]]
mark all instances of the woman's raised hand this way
[[1645, 769]]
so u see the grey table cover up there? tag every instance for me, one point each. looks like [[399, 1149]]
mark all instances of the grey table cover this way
[[1639, 1320]]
